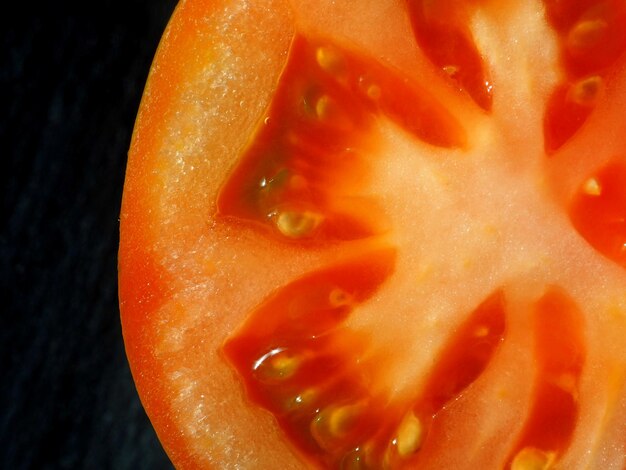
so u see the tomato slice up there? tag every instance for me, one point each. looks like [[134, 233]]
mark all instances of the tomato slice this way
[[381, 234]]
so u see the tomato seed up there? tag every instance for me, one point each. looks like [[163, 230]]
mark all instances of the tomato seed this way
[[294, 224], [592, 187], [585, 92], [329, 59], [585, 34], [339, 298], [530, 458], [410, 435]]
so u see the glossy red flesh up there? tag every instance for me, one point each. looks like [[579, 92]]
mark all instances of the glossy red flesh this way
[[560, 355], [599, 211], [592, 36], [442, 31]]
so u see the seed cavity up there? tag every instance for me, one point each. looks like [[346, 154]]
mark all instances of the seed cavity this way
[[296, 224], [598, 211], [530, 458], [585, 92], [410, 436], [342, 419]]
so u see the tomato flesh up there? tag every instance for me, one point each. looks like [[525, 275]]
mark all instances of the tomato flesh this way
[[382, 234]]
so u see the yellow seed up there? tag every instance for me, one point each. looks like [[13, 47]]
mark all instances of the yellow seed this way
[[592, 187], [277, 364], [339, 298], [586, 33], [329, 59], [341, 419], [334, 423], [586, 91], [530, 458], [323, 107], [284, 365], [410, 435], [295, 224]]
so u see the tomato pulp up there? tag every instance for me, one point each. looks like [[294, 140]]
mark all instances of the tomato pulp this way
[[381, 234]]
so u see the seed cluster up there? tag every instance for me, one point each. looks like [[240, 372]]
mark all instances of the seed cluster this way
[[303, 175], [591, 40], [300, 362]]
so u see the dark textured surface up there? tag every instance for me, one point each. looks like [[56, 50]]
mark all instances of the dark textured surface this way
[[71, 79]]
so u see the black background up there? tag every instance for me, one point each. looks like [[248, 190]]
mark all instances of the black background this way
[[71, 77]]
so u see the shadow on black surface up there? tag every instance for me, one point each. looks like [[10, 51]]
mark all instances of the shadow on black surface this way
[[73, 79]]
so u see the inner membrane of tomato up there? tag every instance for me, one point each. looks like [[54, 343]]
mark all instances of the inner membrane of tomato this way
[[318, 173]]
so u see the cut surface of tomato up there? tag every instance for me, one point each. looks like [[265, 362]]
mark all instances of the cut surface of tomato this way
[[381, 234]]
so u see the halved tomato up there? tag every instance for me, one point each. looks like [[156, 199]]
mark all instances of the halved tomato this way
[[382, 234]]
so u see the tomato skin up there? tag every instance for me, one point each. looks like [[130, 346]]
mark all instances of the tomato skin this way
[[190, 278]]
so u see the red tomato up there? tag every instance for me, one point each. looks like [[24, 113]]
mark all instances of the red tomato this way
[[382, 234]]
